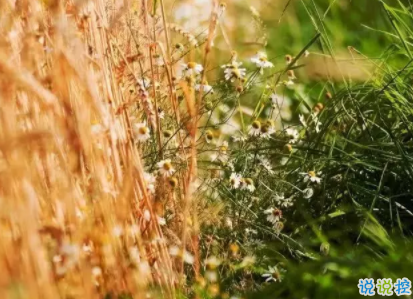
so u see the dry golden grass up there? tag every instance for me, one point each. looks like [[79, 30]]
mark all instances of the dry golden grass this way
[[72, 189]]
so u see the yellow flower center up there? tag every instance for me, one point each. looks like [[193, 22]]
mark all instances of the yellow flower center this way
[[173, 182], [223, 148], [167, 166], [209, 135], [191, 65], [265, 128], [143, 130], [311, 173], [256, 124], [236, 73]]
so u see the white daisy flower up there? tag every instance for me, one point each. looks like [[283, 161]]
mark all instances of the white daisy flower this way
[[233, 71], [274, 215], [272, 274], [248, 184], [312, 177], [267, 129], [255, 128], [142, 132], [166, 168], [235, 180], [191, 69], [205, 87], [293, 134], [261, 61]]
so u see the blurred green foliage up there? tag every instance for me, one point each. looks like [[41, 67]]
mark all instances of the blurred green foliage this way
[[359, 223]]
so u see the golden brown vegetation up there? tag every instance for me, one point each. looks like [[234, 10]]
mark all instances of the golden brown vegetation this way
[[77, 218]]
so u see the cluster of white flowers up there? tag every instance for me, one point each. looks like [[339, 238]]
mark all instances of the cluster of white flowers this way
[[272, 274], [292, 134], [284, 202], [232, 71], [191, 69], [264, 130], [238, 182], [312, 177], [274, 215], [261, 61]]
